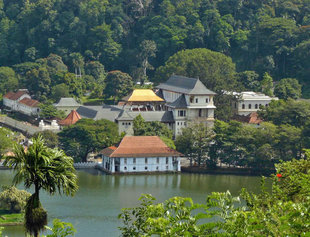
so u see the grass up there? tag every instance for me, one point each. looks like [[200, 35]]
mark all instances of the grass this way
[[7, 218]]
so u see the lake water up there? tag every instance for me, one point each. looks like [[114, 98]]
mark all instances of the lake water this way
[[94, 209]]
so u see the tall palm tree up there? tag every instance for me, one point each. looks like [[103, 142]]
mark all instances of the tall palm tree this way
[[44, 168]]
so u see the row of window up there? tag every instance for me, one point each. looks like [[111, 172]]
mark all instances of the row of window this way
[[191, 99], [145, 168], [256, 106], [127, 123], [146, 160], [181, 123]]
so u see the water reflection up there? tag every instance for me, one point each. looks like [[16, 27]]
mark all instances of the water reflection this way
[[100, 198]]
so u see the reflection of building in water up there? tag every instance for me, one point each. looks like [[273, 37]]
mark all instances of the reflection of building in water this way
[[140, 154]]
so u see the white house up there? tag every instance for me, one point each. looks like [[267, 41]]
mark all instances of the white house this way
[[249, 102], [21, 102], [140, 154], [29, 107], [11, 99]]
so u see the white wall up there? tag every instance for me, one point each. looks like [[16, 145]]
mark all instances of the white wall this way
[[246, 103], [140, 165], [125, 126]]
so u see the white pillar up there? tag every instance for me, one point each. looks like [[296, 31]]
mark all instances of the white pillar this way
[[113, 166]]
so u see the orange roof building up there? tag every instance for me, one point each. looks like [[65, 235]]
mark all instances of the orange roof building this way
[[71, 119], [140, 154]]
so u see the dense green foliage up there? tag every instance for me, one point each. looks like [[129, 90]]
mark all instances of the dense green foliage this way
[[13, 200], [283, 212], [88, 136], [44, 168], [136, 36], [60, 229], [7, 138], [155, 128], [295, 113], [194, 143], [288, 88], [50, 138]]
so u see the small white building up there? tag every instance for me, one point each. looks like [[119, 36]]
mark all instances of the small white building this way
[[29, 107], [249, 102], [140, 154], [11, 99], [21, 102]]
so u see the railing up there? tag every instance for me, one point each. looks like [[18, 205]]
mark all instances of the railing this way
[[85, 165]]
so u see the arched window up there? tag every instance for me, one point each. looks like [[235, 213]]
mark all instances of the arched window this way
[[250, 106], [243, 106], [256, 106]]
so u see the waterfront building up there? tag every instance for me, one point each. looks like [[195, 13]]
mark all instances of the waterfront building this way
[[140, 154], [21, 101], [176, 103], [249, 102], [67, 105]]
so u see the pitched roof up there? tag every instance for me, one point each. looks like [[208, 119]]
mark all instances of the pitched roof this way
[[142, 146], [186, 85], [149, 116], [67, 102], [139, 95], [108, 151], [251, 118], [100, 112], [124, 115], [178, 103], [15, 96], [29, 102], [72, 118]]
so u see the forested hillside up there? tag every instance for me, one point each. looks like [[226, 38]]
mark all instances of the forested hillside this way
[[139, 36]]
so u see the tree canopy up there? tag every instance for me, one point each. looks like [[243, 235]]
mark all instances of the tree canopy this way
[[88, 136]]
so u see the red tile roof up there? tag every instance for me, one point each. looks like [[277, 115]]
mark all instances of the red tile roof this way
[[14, 96], [108, 151], [30, 102], [252, 118], [71, 119], [141, 146]]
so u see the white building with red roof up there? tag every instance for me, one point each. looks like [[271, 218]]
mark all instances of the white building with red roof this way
[[21, 101], [140, 154]]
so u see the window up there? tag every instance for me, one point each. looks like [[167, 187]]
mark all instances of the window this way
[[145, 167], [125, 161], [200, 112], [181, 113], [134, 168], [184, 123], [256, 106], [207, 100], [191, 99], [250, 106], [125, 168], [129, 124], [196, 100], [243, 106], [157, 160], [178, 123], [266, 105], [134, 160], [123, 123], [157, 168], [167, 160], [145, 160], [167, 167]]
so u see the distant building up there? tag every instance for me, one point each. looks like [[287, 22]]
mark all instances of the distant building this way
[[21, 102], [67, 105], [249, 101], [71, 119], [11, 99], [176, 103], [140, 154]]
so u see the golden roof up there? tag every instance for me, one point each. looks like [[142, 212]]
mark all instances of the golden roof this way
[[139, 95]]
